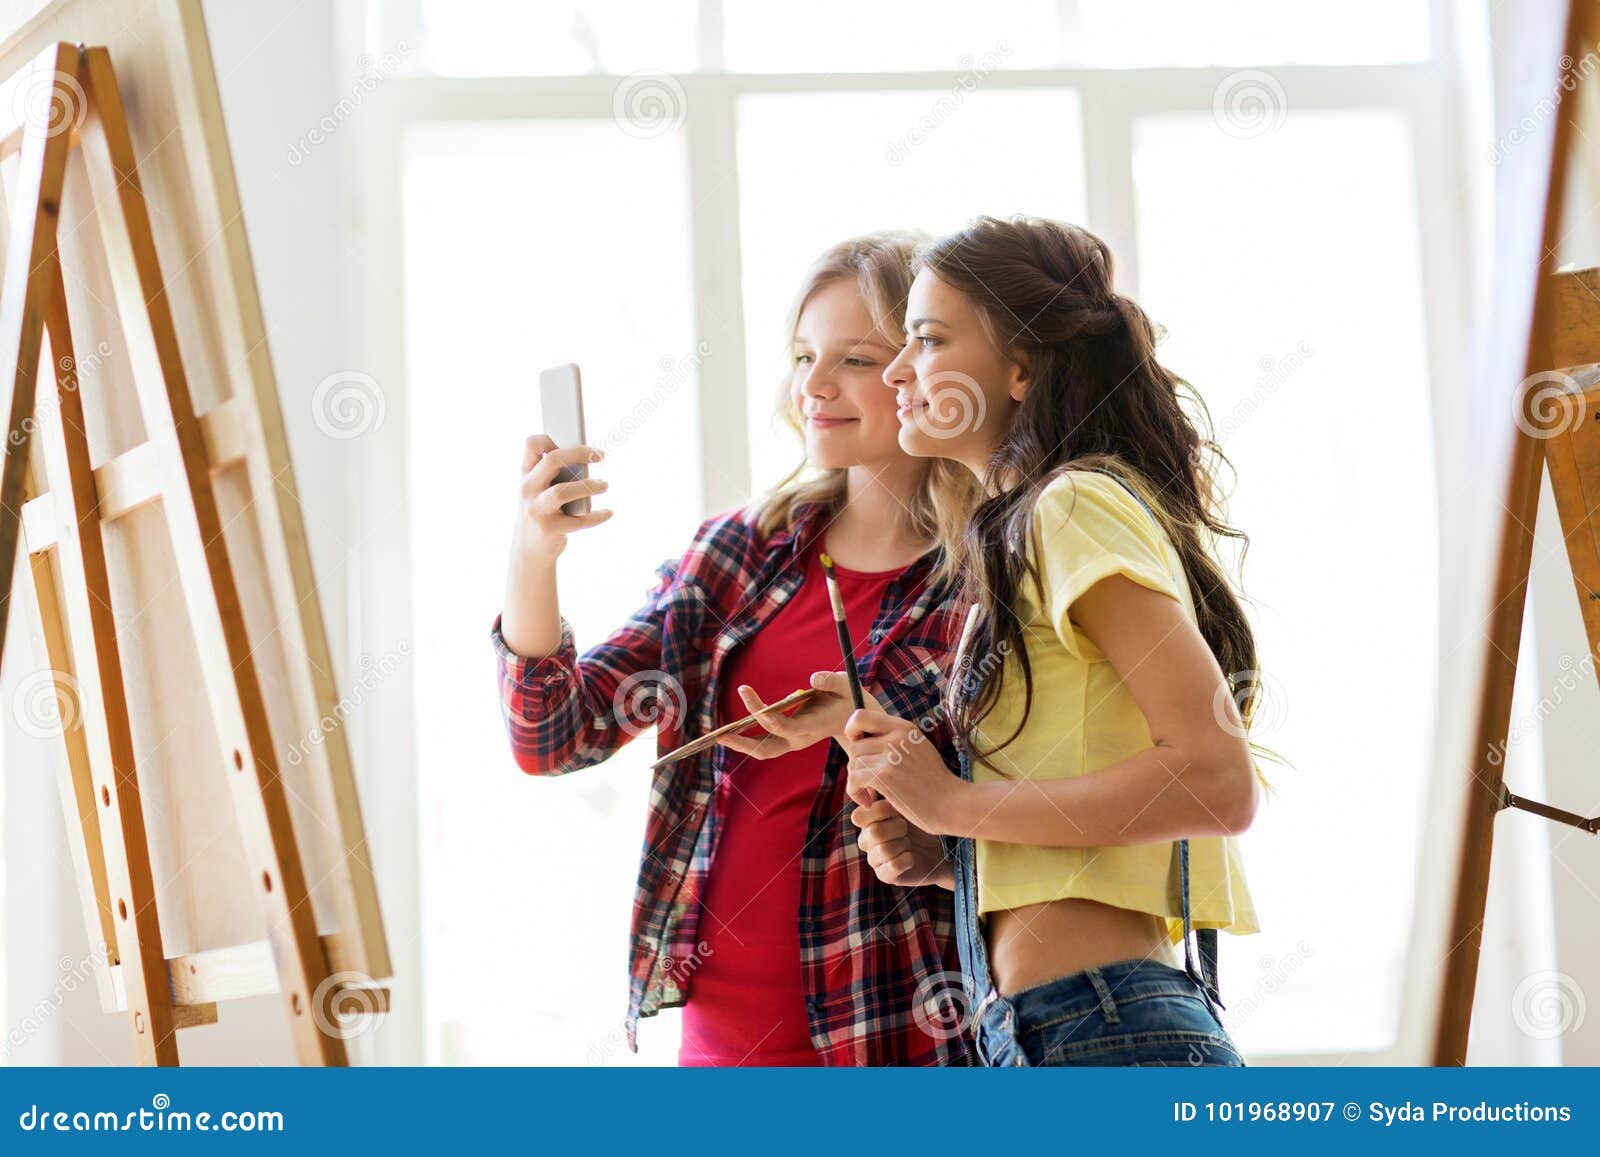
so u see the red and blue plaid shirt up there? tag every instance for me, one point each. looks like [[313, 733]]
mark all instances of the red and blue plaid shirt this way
[[882, 981]]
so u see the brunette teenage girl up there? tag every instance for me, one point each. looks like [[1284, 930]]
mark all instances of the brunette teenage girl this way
[[1105, 770]]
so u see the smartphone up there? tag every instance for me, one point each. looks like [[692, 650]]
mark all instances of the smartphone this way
[[561, 401]]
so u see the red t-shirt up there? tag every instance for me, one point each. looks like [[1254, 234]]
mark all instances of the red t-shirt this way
[[746, 1002]]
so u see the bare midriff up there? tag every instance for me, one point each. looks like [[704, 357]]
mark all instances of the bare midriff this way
[[1041, 942]]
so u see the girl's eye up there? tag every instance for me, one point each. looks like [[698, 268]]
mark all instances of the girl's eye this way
[[859, 362], [927, 342], [801, 358]]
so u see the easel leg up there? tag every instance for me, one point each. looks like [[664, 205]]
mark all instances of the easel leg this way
[[1505, 624], [247, 752]]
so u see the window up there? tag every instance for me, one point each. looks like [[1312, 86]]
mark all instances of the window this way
[[534, 218], [1257, 255]]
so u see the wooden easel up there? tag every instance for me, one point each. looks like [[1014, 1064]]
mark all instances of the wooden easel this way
[[1558, 425], [63, 513]]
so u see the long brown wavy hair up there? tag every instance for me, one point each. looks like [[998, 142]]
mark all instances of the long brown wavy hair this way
[[880, 266], [1097, 399]]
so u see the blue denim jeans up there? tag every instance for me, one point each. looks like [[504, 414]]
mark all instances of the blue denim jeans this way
[[1131, 1012]]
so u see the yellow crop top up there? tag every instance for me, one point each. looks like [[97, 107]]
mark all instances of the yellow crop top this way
[[1088, 526]]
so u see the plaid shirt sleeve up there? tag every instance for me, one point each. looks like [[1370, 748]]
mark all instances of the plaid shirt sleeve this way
[[564, 713]]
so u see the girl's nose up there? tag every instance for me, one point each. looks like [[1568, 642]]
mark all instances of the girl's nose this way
[[819, 383], [898, 372]]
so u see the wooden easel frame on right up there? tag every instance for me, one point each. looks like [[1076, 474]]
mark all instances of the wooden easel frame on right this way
[[206, 502], [1558, 425]]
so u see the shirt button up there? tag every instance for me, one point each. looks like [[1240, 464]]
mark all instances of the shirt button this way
[[876, 636]]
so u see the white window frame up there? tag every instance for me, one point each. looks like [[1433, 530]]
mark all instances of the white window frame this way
[[1424, 94]]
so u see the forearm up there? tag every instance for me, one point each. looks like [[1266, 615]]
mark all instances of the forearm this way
[[530, 621], [1157, 795]]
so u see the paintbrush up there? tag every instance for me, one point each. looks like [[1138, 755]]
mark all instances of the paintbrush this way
[[845, 648]]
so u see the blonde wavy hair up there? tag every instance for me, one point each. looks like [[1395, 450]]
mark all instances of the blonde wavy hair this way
[[880, 266]]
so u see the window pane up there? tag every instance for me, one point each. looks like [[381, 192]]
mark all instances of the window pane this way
[[816, 169], [527, 884], [1183, 33], [1259, 256], [844, 36], [511, 37]]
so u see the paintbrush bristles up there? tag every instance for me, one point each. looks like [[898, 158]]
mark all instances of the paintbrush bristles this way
[[835, 596]]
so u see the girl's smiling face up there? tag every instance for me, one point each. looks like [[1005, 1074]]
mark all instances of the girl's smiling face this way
[[955, 390], [836, 384]]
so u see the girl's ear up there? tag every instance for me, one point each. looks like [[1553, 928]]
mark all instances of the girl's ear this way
[[1021, 377]]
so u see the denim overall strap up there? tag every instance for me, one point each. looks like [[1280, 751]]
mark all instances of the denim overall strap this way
[[1206, 977], [962, 854]]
